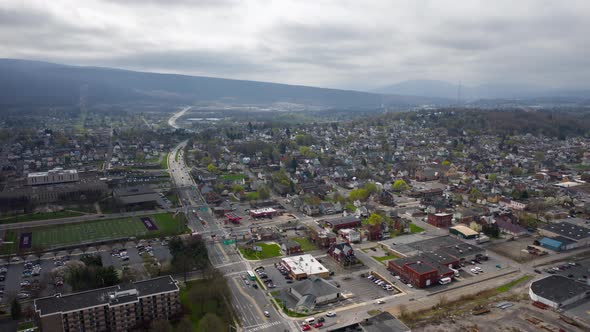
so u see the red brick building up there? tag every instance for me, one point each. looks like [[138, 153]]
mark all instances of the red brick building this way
[[425, 269], [343, 222], [441, 220]]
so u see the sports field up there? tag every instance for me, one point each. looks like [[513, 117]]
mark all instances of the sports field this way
[[99, 230]]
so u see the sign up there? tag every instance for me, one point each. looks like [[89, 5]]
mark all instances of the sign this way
[[228, 242]]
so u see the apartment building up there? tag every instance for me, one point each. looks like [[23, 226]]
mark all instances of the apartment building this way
[[116, 308]]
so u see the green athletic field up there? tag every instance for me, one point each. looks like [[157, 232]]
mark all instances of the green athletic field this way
[[99, 230]]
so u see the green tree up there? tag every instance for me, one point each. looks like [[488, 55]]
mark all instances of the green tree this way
[[263, 193], [211, 322], [371, 187], [492, 177], [400, 185], [358, 195], [375, 219], [15, 309], [212, 168], [446, 163], [252, 196], [161, 325]]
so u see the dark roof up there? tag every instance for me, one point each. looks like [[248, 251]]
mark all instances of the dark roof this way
[[508, 226], [563, 240], [315, 286], [568, 230], [384, 322], [448, 245], [127, 293], [558, 288], [343, 220], [132, 191]]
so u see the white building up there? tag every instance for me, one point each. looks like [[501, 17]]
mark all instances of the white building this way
[[303, 266], [56, 175]]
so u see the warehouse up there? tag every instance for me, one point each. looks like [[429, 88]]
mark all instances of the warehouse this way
[[569, 235], [463, 231], [558, 291]]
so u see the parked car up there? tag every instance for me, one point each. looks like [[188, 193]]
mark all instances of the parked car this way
[[267, 314], [330, 314]]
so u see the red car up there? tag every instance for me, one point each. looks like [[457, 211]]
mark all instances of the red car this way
[[306, 328], [318, 325]]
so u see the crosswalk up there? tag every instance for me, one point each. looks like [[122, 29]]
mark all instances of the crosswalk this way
[[262, 326]]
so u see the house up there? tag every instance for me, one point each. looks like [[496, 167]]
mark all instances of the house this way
[[508, 227], [441, 220], [350, 235], [290, 247], [312, 292], [342, 253]]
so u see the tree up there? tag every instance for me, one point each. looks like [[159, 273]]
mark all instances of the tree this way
[[211, 322], [358, 195], [375, 219], [263, 193], [15, 309], [446, 163], [492, 177], [371, 187], [400, 185], [161, 325], [212, 168]]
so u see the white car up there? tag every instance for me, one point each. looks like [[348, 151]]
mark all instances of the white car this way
[[380, 302], [330, 314], [474, 271], [267, 314]]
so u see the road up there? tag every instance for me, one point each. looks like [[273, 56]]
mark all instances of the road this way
[[249, 303], [176, 116]]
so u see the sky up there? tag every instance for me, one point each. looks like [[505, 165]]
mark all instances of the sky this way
[[328, 43]]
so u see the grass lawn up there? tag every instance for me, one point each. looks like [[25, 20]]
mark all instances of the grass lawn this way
[[40, 216], [232, 177], [98, 230], [415, 228], [382, 259], [176, 155], [305, 244], [506, 287], [198, 307], [164, 162], [269, 250], [9, 244]]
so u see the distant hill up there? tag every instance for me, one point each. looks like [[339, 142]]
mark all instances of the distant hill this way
[[442, 89], [24, 82]]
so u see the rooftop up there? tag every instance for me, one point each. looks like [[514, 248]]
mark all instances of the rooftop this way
[[304, 264], [558, 288], [114, 295], [568, 230]]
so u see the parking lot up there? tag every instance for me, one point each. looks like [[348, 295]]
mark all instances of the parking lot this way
[[362, 288], [38, 276]]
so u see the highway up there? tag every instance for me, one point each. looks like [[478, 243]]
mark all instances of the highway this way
[[248, 302]]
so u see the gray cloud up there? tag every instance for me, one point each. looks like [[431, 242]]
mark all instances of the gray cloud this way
[[323, 43]]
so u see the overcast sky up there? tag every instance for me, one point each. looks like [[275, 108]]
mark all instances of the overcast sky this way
[[338, 43]]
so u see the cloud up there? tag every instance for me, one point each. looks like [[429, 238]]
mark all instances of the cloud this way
[[332, 43]]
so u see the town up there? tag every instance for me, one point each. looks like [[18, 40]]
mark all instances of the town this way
[[388, 223]]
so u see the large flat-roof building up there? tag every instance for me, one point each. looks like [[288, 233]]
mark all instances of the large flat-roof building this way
[[558, 291], [303, 266], [565, 236], [56, 175], [116, 308]]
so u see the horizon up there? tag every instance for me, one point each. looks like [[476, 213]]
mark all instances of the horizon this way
[[325, 44]]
